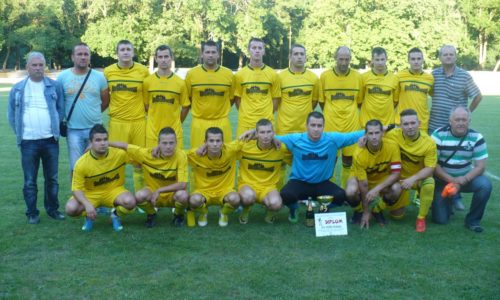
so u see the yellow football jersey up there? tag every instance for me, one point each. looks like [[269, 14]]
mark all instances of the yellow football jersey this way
[[413, 92], [165, 97], [160, 171], [298, 92], [98, 175], [256, 87], [211, 92], [125, 86], [376, 166], [260, 167], [379, 97], [416, 154], [341, 95], [215, 175]]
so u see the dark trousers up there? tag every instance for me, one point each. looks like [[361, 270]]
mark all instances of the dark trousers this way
[[296, 190]]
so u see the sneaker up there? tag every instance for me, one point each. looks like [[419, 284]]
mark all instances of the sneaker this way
[[87, 226], [33, 220], [56, 215], [223, 220], [203, 220], [244, 216], [356, 217], [140, 210], [292, 216], [270, 217], [420, 225], [178, 220], [191, 222], [475, 228], [115, 220], [151, 221], [379, 218]]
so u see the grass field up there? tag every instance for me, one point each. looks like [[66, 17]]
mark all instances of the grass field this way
[[55, 260]]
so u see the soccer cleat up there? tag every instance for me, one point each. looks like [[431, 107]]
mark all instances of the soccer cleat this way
[[420, 225], [270, 217], [379, 218], [356, 217], [178, 220], [475, 228], [223, 220], [151, 221], [116, 222], [203, 220], [87, 226], [244, 216], [292, 215]]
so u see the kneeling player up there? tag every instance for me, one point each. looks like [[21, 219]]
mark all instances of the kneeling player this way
[[260, 167], [165, 177], [98, 180], [213, 166], [375, 172]]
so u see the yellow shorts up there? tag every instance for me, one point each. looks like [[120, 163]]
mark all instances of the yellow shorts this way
[[347, 151], [199, 126], [165, 199], [214, 198], [106, 198], [131, 132], [242, 129], [261, 192], [403, 201], [152, 136]]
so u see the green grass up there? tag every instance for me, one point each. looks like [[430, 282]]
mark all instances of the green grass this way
[[56, 260]]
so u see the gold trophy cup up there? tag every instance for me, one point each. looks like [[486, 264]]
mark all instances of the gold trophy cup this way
[[324, 202]]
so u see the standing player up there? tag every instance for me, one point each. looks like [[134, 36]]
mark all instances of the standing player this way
[[166, 97], [259, 172], [342, 89], [380, 90], [257, 89], [300, 91], [210, 88], [127, 112], [98, 180], [375, 172], [414, 87], [418, 160], [214, 174], [165, 176]]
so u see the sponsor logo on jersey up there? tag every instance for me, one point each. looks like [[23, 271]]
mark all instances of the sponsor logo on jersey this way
[[106, 180], [260, 167], [299, 92], [341, 96], [162, 99], [160, 176], [314, 156], [415, 88], [256, 90], [218, 172], [211, 92], [121, 87], [379, 90]]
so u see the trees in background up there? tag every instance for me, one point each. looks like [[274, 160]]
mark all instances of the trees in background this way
[[53, 26]]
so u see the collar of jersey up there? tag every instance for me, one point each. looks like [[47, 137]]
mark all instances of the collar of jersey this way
[[418, 136], [253, 69], [297, 73], [97, 158], [158, 76], [208, 70], [133, 64], [346, 74], [409, 70], [386, 72]]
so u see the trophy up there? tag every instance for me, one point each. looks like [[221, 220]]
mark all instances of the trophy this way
[[324, 202]]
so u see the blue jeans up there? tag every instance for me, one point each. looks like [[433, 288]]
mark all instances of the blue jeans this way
[[77, 140], [31, 152], [442, 208]]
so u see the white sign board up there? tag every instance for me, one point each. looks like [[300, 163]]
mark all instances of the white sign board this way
[[330, 224]]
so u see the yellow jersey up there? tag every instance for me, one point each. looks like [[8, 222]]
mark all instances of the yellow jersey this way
[[415, 154], [298, 92], [126, 101], [98, 175], [341, 95], [379, 97], [256, 87], [413, 92], [211, 92], [376, 166]]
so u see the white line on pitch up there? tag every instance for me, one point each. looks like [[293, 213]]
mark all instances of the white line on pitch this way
[[492, 176]]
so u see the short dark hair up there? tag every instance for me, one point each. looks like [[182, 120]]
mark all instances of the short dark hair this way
[[214, 130], [97, 128], [166, 131], [296, 46], [339, 48], [316, 115], [164, 47], [408, 112], [79, 45], [124, 42], [379, 51], [415, 50], [374, 122], [262, 122], [254, 39], [209, 43]]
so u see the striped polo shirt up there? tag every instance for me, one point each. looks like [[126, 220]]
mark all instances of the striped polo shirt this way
[[449, 92], [473, 147]]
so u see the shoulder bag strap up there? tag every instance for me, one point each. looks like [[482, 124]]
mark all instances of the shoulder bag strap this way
[[77, 95]]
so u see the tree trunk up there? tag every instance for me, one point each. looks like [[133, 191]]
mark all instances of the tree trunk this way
[[240, 61], [222, 53], [151, 63], [4, 66]]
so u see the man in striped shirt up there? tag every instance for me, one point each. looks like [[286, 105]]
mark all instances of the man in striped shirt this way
[[462, 156]]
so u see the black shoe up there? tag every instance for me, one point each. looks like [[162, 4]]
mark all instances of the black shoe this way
[[33, 219], [151, 221], [178, 220], [356, 217], [56, 215], [379, 218], [475, 228]]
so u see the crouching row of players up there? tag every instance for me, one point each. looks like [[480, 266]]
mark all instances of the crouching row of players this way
[[378, 180]]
